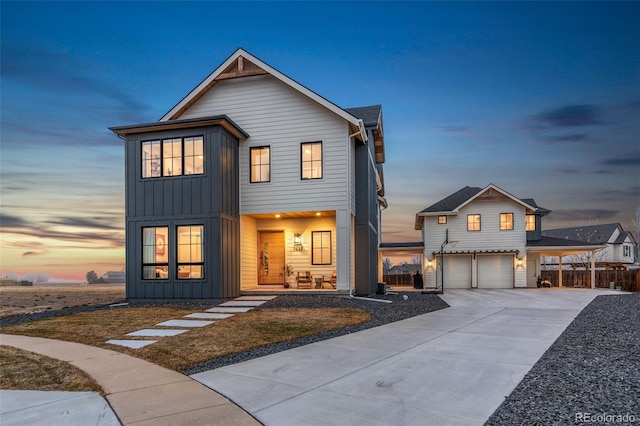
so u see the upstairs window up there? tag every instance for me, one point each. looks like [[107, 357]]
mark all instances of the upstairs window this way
[[260, 164], [473, 222], [442, 220], [531, 222], [626, 251], [506, 221], [311, 160], [173, 157]]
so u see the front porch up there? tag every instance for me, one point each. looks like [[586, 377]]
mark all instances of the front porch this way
[[292, 253]]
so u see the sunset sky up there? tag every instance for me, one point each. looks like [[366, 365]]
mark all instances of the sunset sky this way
[[542, 99]]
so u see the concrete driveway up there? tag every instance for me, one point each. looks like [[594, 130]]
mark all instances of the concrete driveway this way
[[450, 367]]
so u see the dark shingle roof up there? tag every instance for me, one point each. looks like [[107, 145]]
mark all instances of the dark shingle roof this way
[[454, 200], [556, 242], [594, 234], [368, 114], [532, 203]]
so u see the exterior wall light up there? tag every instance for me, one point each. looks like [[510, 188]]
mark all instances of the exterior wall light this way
[[297, 242]]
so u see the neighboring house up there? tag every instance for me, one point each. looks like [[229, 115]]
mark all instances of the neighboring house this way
[[405, 269], [114, 277], [486, 238], [248, 173], [620, 245]]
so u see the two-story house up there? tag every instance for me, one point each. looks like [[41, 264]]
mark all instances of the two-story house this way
[[249, 173], [487, 238], [620, 245]]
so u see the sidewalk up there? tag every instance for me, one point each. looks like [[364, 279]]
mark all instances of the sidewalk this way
[[138, 391]]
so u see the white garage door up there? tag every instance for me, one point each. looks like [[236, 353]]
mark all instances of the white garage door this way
[[457, 272], [495, 271]]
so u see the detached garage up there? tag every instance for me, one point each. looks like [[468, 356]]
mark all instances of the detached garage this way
[[495, 271]]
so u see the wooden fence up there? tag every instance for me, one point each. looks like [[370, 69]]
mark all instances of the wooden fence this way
[[398, 279], [628, 280]]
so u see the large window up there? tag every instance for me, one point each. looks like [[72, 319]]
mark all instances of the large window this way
[[321, 248], [473, 222], [531, 222], [260, 164], [190, 242], [506, 221], [311, 160], [155, 256], [173, 157]]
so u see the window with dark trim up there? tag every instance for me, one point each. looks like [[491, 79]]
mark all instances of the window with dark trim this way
[[155, 254], [442, 220], [173, 157], [531, 222], [506, 221], [311, 164], [473, 222], [321, 248], [190, 251], [260, 164]]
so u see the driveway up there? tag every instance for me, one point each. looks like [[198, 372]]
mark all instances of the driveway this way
[[450, 367]]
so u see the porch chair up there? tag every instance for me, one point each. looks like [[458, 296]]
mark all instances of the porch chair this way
[[304, 279], [329, 279]]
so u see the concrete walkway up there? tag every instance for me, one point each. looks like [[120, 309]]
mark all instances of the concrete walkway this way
[[139, 392], [450, 367]]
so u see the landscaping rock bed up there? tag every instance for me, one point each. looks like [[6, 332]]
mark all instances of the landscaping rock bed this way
[[381, 313], [590, 375]]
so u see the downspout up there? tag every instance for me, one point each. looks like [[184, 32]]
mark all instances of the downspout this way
[[369, 299]]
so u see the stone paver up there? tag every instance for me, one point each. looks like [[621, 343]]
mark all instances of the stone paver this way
[[156, 332], [185, 323], [244, 303], [205, 315], [229, 310]]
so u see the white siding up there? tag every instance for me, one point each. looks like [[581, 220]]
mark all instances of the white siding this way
[[248, 252], [490, 237], [276, 115]]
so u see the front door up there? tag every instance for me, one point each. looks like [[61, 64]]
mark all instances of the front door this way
[[271, 257]]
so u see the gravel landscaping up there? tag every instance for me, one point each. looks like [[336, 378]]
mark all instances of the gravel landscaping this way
[[381, 313], [590, 375]]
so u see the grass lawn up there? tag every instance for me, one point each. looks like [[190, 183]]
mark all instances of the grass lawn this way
[[241, 332], [23, 370]]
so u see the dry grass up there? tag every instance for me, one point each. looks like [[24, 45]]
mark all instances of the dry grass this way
[[243, 331], [26, 300], [23, 370]]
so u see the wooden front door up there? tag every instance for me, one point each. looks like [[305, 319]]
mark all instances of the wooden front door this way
[[271, 257]]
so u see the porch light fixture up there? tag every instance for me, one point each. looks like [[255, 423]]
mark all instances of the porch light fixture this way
[[297, 242], [520, 262]]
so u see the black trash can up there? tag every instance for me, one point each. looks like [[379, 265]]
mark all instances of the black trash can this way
[[417, 280], [382, 288]]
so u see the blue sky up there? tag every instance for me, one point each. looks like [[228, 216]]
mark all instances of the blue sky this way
[[541, 99]]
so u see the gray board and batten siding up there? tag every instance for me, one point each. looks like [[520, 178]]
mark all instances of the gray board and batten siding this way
[[210, 199]]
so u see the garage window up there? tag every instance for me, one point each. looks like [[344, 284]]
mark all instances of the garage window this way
[[506, 221], [473, 222]]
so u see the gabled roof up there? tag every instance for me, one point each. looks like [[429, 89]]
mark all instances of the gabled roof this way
[[454, 202], [243, 64], [372, 118], [594, 234]]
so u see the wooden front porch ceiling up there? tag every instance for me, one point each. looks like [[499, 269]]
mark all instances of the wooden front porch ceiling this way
[[294, 215], [241, 67]]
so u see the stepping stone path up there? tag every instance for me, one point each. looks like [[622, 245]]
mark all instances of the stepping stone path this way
[[197, 319]]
